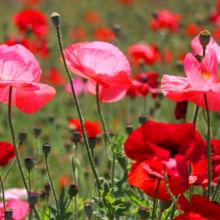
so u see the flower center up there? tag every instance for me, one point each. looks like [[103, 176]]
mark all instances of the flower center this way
[[171, 146], [3, 77], [205, 74]]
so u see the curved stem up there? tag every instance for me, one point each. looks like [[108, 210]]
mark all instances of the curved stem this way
[[52, 186], [172, 212], [68, 203], [160, 215], [78, 111], [3, 191], [155, 199], [216, 190], [208, 147], [101, 115], [168, 190], [29, 178], [195, 115]]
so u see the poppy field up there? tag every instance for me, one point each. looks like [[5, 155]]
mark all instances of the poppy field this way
[[109, 110]]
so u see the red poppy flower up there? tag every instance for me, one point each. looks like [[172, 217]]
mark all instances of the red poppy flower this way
[[172, 144], [165, 19], [7, 152], [190, 216], [30, 2], [104, 34], [181, 109], [144, 174], [192, 29], [126, 2], [40, 47], [214, 17], [55, 78], [182, 56], [31, 19], [141, 52], [78, 33], [134, 89], [216, 33], [65, 180], [200, 205], [92, 17]]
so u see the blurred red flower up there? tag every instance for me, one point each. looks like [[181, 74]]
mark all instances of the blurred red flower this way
[[30, 2], [173, 144], [126, 2], [181, 109], [78, 33], [65, 180], [216, 33], [55, 78], [40, 47], [7, 152], [134, 89], [214, 17], [31, 19], [104, 34], [92, 17], [190, 216], [191, 29]]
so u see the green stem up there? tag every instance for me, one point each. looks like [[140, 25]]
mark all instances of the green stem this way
[[113, 172], [3, 191], [216, 190], [101, 115], [208, 147], [168, 190], [73, 167], [160, 215], [29, 178], [30, 213], [52, 186], [68, 203], [172, 212], [36, 163], [16, 150], [203, 111], [78, 111], [75, 208], [155, 199], [195, 115]]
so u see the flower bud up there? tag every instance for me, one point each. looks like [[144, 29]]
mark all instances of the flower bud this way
[[179, 65], [47, 187], [204, 38], [165, 204], [123, 161], [67, 145], [29, 163], [92, 142], [88, 209], [76, 136], [142, 119], [129, 128], [46, 148], [144, 212], [8, 213], [73, 190], [51, 118], [22, 135], [32, 199], [116, 28], [55, 17], [37, 130]]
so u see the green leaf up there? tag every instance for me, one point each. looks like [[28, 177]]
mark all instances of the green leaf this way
[[98, 202]]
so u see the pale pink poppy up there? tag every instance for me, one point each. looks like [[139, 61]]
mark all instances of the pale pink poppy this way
[[20, 209], [78, 86], [197, 47], [101, 63], [20, 69], [15, 193], [201, 78]]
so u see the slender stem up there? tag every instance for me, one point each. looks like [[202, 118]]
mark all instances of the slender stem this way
[[73, 167], [208, 147], [29, 178], [75, 208], [36, 163], [30, 213], [16, 150], [195, 115], [168, 190], [216, 190], [203, 111], [113, 172], [3, 191], [172, 212], [101, 115], [52, 186], [155, 199], [78, 111], [160, 215], [68, 202]]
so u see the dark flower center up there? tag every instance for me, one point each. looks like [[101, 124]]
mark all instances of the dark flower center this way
[[171, 146]]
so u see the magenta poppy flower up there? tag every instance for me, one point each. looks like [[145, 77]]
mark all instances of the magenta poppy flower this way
[[7, 152], [20, 69], [78, 86], [201, 78], [101, 63], [197, 47]]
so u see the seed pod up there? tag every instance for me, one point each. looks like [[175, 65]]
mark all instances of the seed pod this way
[[88, 209], [142, 119], [165, 204], [55, 17], [22, 136], [144, 212], [46, 148], [73, 190], [8, 213], [47, 187], [129, 128], [29, 163], [32, 199]]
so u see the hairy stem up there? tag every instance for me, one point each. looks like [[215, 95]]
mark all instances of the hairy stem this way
[[155, 200], [3, 191]]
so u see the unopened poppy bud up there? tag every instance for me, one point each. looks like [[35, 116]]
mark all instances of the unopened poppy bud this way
[[51, 118], [129, 128], [155, 14], [101, 179], [179, 65], [47, 187], [92, 142], [46, 148], [165, 204], [116, 29], [8, 213], [144, 212], [73, 190], [67, 145], [76, 136], [29, 163], [204, 38], [22, 135], [88, 209], [55, 17], [37, 130], [157, 103], [142, 119], [32, 199]]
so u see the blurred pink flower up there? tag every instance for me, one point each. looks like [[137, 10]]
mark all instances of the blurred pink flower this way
[[15, 193], [78, 86]]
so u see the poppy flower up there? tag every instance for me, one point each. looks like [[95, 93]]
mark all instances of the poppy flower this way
[[192, 30], [181, 109], [200, 205], [78, 86], [7, 152], [134, 89], [40, 47], [55, 78], [165, 19], [216, 33], [64, 180], [126, 2], [140, 52], [15, 193], [182, 56], [190, 216], [214, 17], [172, 144], [30, 2], [144, 174], [103, 64], [21, 70], [31, 19], [20, 209], [92, 17], [78, 33], [104, 34], [201, 79]]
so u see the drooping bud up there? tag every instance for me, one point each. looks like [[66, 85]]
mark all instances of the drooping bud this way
[[88, 209], [129, 128], [46, 148], [165, 204], [22, 135], [204, 38], [8, 213], [73, 190], [144, 212], [29, 163], [142, 119], [47, 187], [55, 17], [32, 199], [37, 130], [92, 142]]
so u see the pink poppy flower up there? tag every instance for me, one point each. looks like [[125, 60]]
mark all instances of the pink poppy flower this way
[[101, 63], [78, 86], [20, 209], [20, 69], [197, 47], [15, 193], [201, 78]]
